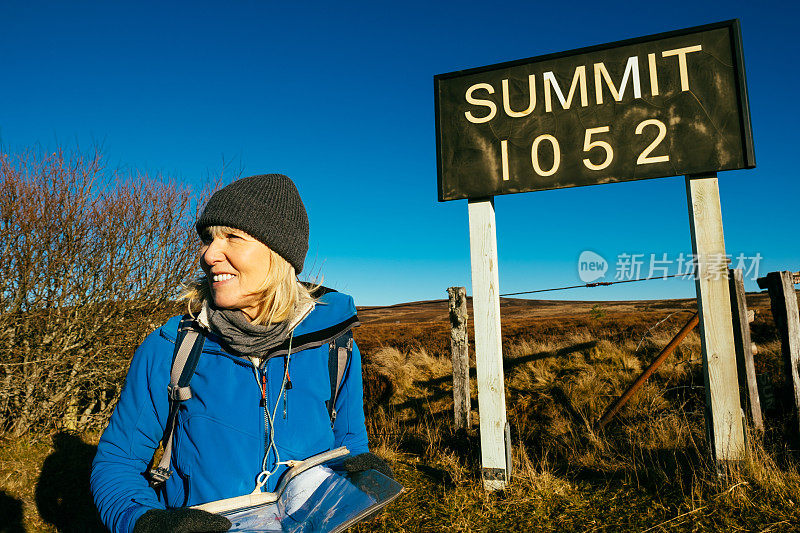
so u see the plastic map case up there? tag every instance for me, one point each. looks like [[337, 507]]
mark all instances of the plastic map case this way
[[312, 496]]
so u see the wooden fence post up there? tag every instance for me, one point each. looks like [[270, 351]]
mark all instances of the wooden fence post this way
[[748, 386], [724, 424], [459, 350], [783, 301], [495, 458]]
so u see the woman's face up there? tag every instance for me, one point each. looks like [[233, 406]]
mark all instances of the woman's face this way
[[236, 265]]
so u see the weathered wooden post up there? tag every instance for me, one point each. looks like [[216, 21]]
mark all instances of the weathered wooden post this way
[[783, 301], [748, 385], [488, 346], [724, 424], [459, 350]]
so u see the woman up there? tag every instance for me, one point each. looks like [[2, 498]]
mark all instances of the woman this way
[[261, 382]]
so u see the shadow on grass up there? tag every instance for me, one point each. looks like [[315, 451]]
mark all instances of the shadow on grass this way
[[10, 514], [436, 476], [437, 388], [63, 496], [655, 470]]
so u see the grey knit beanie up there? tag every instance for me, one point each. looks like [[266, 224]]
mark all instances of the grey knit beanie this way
[[266, 206]]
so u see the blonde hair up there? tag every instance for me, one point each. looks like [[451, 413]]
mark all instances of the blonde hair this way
[[280, 292]]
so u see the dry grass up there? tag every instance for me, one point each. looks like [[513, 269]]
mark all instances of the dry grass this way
[[647, 471]]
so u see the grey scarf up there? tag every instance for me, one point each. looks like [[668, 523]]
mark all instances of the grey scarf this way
[[244, 338]]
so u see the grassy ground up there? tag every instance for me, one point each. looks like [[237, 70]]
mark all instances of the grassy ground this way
[[647, 471], [44, 484]]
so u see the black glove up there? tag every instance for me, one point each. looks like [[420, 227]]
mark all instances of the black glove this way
[[357, 466], [180, 520], [367, 461]]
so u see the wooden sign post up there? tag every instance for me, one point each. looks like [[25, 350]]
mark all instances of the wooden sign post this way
[[725, 426], [672, 104], [488, 347]]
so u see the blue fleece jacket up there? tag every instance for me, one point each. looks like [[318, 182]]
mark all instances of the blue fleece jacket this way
[[221, 433]]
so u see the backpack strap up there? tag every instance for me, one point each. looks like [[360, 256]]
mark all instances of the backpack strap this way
[[188, 347], [340, 350]]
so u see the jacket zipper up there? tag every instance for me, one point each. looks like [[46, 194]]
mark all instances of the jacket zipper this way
[[286, 387], [265, 396]]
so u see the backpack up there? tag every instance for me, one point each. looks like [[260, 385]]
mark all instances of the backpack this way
[[188, 347]]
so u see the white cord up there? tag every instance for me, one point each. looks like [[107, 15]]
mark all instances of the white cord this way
[[265, 474]]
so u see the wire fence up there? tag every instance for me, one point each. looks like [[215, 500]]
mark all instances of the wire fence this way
[[505, 295]]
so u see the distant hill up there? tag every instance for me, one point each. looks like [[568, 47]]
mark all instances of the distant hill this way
[[518, 308]]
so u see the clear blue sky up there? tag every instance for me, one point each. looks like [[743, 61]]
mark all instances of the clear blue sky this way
[[339, 96]]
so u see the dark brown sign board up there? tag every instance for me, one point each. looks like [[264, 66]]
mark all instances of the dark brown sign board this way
[[664, 105]]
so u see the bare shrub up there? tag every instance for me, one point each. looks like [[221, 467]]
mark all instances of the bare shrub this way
[[92, 260]]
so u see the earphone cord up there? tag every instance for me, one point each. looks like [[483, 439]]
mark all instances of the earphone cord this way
[[265, 474]]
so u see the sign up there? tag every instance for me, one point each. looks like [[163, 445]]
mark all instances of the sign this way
[[664, 105]]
